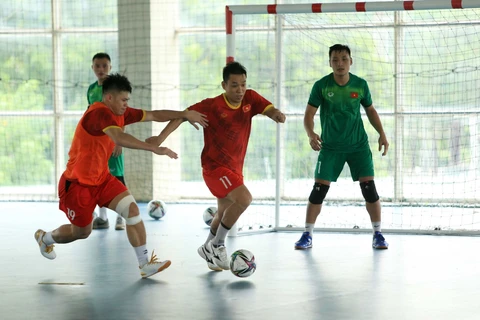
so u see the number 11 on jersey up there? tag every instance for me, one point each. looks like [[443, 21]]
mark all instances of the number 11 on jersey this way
[[226, 182]]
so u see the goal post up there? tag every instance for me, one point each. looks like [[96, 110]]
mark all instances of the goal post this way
[[417, 57]]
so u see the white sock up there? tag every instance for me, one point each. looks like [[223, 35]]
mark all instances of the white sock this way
[[219, 239], [377, 226], [210, 236], [142, 255], [102, 213], [48, 238], [309, 227]]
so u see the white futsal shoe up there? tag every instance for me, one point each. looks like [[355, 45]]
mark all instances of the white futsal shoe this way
[[120, 223], [46, 251], [154, 266], [219, 255], [207, 256]]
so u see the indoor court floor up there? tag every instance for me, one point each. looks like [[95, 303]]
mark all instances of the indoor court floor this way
[[341, 277]]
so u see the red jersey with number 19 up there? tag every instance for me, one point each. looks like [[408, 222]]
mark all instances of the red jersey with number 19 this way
[[228, 131]]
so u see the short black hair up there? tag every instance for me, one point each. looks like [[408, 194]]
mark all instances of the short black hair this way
[[233, 68], [338, 48], [116, 83], [101, 55]]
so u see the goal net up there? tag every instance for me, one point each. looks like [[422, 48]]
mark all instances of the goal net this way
[[418, 58]]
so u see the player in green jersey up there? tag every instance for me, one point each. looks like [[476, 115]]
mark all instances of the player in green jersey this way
[[339, 96], [101, 66]]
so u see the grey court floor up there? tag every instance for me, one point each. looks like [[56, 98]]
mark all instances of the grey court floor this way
[[419, 277]]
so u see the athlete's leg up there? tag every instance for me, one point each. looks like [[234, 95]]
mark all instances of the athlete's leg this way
[[120, 222], [372, 202], [233, 198], [374, 209], [232, 195], [231, 208], [222, 205], [369, 192], [135, 228], [125, 205], [206, 251], [77, 203], [362, 170], [64, 234], [236, 202], [314, 205], [68, 233], [328, 168]]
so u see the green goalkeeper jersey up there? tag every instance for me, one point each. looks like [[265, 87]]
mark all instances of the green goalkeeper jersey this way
[[115, 164], [340, 117], [94, 93]]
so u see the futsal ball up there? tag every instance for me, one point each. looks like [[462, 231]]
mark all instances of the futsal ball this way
[[242, 263], [156, 209], [208, 215]]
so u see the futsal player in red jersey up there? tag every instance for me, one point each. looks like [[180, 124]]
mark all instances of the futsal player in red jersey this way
[[87, 181], [225, 145]]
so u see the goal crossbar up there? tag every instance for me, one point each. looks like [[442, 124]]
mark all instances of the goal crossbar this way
[[353, 6], [232, 10]]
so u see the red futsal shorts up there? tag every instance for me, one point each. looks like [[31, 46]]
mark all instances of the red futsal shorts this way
[[78, 201], [221, 181]]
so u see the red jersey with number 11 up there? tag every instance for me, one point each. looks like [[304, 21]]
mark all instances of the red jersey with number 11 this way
[[228, 131]]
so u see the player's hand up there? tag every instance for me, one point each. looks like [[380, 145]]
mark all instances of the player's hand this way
[[196, 117], [155, 140], [117, 151], [315, 142], [382, 141], [165, 152], [279, 117]]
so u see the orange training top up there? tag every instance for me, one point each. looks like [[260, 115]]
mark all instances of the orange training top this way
[[91, 147]]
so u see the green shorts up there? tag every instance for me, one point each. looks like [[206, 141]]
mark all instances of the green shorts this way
[[330, 164], [115, 164]]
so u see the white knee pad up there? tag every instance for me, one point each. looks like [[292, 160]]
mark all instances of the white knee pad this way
[[123, 209]]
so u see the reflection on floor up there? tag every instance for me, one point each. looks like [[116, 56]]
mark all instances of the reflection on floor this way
[[341, 277]]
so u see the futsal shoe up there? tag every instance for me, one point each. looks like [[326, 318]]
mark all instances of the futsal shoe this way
[[46, 251], [379, 241], [219, 255], [207, 256], [99, 223], [214, 267], [120, 224], [305, 241], [154, 266]]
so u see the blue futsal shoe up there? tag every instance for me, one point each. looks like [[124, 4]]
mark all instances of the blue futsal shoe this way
[[379, 241], [305, 241]]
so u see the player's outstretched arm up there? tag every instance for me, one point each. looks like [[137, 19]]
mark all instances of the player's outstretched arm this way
[[375, 121], [126, 140], [309, 125], [275, 114], [166, 115], [170, 127], [117, 151]]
